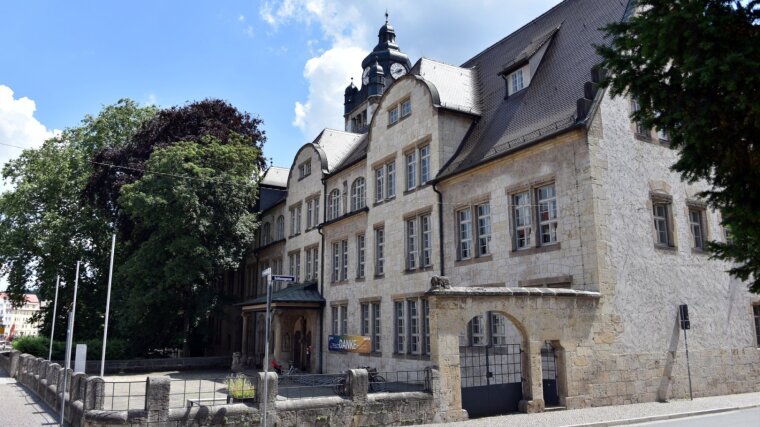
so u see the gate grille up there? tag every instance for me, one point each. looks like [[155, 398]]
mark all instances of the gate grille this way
[[487, 365]]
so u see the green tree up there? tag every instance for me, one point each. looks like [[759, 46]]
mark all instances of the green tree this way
[[46, 227], [694, 68], [196, 207]]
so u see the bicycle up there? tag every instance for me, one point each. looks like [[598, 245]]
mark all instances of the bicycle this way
[[377, 382]]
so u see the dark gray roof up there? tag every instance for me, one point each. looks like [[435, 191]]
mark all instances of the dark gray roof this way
[[306, 292], [549, 103]]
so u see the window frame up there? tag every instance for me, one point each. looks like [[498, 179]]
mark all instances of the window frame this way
[[280, 227], [550, 221], [361, 254], [699, 240], [662, 222], [464, 234], [410, 160], [379, 251], [333, 204], [358, 194]]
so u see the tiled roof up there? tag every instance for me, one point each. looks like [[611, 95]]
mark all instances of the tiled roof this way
[[29, 298], [549, 103], [456, 86], [307, 292]]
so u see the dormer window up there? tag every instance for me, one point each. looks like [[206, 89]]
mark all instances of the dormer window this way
[[393, 116], [304, 169], [399, 111], [517, 81]]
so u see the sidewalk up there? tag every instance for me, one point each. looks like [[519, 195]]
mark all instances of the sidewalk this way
[[620, 415], [20, 407]]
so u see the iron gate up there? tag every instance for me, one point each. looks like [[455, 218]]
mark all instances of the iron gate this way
[[549, 374], [491, 379]]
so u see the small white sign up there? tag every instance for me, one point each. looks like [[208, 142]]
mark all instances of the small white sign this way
[[283, 278], [80, 361]]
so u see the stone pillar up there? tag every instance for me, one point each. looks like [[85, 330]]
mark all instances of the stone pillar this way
[[533, 394], [94, 393], [51, 389], [157, 400], [358, 385], [14, 363], [270, 398], [77, 386], [444, 354]]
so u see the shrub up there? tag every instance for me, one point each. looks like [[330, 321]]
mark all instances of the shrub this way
[[239, 387], [36, 346]]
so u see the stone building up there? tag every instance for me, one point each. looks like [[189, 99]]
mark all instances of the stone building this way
[[558, 242], [19, 319]]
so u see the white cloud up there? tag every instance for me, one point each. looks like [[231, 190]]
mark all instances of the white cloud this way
[[18, 126], [447, 31]]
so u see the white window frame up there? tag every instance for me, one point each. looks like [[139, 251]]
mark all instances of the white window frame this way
[[523, 220], [379, 251], [697, 227], [548, 215], [464, 233], [309, 213], [376, 327], [393, 115], [661, 213], [424, 164], [399, 322], [483, 216], [335, 261], [343, 319], [280, 227], [344, 260], [518, 81], [413, 311], [380, 184], [426, 252], [406, 107], [390, 180], [412, 244], [411, 170], [333, 204], [358, 200], [361, 242]]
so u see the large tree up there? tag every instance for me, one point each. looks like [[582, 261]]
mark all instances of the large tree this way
[[694, 68], [45, 227]]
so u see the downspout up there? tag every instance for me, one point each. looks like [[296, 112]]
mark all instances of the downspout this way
[[440, 229], [322, 274]]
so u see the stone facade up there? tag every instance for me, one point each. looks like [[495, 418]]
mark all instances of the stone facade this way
[[581, 237]]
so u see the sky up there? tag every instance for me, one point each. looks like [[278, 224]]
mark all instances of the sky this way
[[286, 61]]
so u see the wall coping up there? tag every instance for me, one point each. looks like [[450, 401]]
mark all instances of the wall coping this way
[[479, 291]]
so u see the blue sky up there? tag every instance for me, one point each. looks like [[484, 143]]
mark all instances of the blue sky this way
[[286, 61]]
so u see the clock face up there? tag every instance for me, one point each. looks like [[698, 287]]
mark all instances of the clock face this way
[[365, 76], [397, 70]]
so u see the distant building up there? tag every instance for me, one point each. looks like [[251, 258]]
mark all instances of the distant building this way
[[565, 241], [19, 319]]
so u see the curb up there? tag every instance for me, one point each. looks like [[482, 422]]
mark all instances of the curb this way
[[628, 421]]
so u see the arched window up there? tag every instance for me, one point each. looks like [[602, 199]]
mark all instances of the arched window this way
[[266, 234], [280, 233], [357, 194], [333, 204]]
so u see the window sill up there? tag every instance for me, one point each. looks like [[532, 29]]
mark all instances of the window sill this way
[[419, 270], [372, 354], [380, 276], [536, 250], [476, 260], [359, 279], [666, 249], [400, 119], [700, 251]]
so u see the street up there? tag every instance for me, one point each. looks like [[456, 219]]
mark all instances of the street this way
[[741, 418]]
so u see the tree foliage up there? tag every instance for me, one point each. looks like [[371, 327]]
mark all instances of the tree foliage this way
[[694, 68], [45, 227]]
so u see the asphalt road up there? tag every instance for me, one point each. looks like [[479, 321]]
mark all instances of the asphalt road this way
[[742, 418], [21, 408]]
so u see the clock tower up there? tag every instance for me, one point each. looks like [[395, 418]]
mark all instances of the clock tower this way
[[384, 65]]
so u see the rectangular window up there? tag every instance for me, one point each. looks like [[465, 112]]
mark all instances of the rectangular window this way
[[426, 327], [344, 260], [309, 214], [343, 319], [316, 213], [498, 329], [390, 174], [406, 108], [484, 228], [379, 184], [376, 327], [424, 164], [661, 214], [308, 264], [464, 218], [292, 221], [379, 252], [640, 129], [295, 265], [366, 320], [315, 263], [477, 331], [400, 334], [547, 214], [427, 241], [393, 116], [335, 320], [414, 326], [696, 223], [517, 81], [336, 261], [411, 244], [522, 216], [411, 170], [298, 219], [360, 256]]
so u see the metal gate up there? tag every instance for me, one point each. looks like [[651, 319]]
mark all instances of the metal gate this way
[[491, 379], [549, 374]]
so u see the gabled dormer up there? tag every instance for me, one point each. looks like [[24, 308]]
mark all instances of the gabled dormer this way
[[519, 72]]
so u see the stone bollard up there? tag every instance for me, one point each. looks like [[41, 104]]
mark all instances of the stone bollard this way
[[270, 398], [358, 385], [157, 399], [94, 393], [14, 364], [50, 390], [77, 386]]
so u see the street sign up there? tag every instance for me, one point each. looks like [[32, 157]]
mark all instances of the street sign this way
[[283, 278]]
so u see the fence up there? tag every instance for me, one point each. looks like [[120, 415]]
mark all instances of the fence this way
[[90, 401]]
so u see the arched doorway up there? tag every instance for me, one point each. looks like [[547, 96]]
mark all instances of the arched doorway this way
[[490, 365], [299, 344]]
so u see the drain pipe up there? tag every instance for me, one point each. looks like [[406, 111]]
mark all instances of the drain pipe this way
[[440, 229], [322, 276]]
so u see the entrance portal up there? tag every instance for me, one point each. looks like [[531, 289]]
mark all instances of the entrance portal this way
[[491, 366]]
